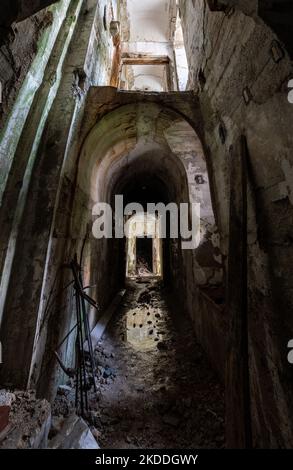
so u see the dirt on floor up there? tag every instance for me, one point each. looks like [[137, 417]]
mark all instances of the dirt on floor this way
[[157, 388], [29, 420]]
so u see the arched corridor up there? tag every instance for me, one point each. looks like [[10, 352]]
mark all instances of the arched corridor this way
[[149, 153], [146, 224]]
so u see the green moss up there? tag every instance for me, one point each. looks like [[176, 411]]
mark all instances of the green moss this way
[[10, 134]]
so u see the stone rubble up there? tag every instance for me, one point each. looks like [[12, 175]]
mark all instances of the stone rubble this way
[[155, 390], [29, 421], [155, 386], [73, 433]]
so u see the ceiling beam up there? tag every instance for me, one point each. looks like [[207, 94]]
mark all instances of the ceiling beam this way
[[145, 60]]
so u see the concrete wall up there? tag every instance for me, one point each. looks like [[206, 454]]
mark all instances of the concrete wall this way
[[20, 45], [243, 90], [22, 77], [37, 194], [48, 178]]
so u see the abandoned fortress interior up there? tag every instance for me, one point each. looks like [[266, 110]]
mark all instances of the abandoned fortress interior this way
[[143, 340]]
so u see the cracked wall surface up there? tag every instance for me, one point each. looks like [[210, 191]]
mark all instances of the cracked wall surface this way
[[34, 145], [242, 90], [69, 140]]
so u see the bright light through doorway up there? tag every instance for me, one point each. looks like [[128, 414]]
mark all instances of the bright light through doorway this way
[[144, 246]]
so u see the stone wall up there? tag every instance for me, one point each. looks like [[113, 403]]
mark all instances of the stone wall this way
[[37, 194], [23, 64], [13, 11], [278, 14], [22, 31], [239, 72], [242, 87]]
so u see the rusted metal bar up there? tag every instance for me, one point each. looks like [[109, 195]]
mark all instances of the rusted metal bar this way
[[84, 334]]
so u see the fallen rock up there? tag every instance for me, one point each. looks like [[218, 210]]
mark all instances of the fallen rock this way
[[30, 422], [101, 370], [6, 398], [75, 434], [108, 372]]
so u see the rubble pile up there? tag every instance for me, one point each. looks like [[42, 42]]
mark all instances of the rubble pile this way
[[29, 421], [156, 388], [142, 267], [72, 433]]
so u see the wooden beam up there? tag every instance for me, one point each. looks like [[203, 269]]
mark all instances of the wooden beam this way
[[238, 417], [146, 60]]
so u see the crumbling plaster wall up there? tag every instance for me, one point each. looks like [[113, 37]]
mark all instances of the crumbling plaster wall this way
[[20, 44], [12, 11], [37, 194], [228, 54], [94, 56], [18, 103], [278, 14]]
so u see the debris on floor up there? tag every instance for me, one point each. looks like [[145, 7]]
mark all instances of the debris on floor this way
[[156, 386], [73, 433], [157, 389], [142, 267], [6, 400], [29, 421]]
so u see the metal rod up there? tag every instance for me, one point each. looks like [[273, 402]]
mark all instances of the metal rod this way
[[83, 335]]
